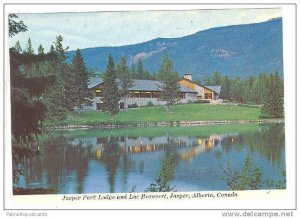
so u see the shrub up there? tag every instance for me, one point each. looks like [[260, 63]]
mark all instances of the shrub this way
[[150, 104], [133, 105], [202, 101], [250, 178]]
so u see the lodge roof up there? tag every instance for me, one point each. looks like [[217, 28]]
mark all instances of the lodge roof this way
[[94, 81], [139, 85], [216, 89]]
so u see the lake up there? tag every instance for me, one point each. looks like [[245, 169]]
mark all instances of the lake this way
[[130, 160]]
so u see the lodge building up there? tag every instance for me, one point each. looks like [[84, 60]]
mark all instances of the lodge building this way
[[146, 92]]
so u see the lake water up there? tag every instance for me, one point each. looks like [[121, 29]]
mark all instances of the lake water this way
[[103, 161]]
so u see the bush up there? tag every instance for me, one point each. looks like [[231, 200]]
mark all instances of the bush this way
[[250, 177], [133, 105], [150, 104], [202, 101]]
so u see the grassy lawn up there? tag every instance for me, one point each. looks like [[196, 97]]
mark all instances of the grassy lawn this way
[[187, 112]]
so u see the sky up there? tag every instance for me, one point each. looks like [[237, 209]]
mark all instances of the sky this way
[[98, 29]]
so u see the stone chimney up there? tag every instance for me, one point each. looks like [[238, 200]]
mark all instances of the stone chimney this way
[[188, 76]]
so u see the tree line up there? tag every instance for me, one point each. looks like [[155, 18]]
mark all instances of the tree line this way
[[266, 90]]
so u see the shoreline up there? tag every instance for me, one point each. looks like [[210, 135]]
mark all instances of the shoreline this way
[[159, 124]]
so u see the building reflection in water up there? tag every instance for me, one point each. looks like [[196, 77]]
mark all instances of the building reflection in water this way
[[190, 146]]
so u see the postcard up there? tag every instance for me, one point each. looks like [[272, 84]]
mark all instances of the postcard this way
[[149, 107]]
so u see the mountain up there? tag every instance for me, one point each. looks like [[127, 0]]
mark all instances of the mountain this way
[[238, 50]]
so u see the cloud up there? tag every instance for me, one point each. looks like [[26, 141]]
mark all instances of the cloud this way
[[144, 55], [220, 52]]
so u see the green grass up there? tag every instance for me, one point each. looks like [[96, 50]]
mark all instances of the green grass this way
[[186, 112]]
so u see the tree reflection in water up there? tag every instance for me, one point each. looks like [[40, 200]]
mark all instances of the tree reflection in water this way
[[269, 141], [111, 157], [166, 172]]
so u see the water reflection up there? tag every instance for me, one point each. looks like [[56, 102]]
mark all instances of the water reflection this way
[[71, 164], [111, 155]]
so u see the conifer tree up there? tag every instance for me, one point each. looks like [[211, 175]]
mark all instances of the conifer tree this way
[[279, 96], [58, 44], [52, 49], [79, 87], [18, 47], [110, 89], [237, 89], [216, 78], [15, 26], [27, 108], [169, 78], [29, 49], [140, 69], [126, 81], [226, 88], [57, 100], [207, 80], [41, 50], [273, 105], [132, 71], [248, 87]]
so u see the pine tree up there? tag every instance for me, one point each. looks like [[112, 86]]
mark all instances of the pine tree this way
[[258, 88], [29, 68], [169, 78], [29, 49], [207, 80], [132, 71], [60, 49], [237, 89], [140, 70], [27, 108], [41, 50], [273, 105], [110, 89], [126, 81], [57, 100], [15, 26], [226, 88], [147, 75], [52, 49], [279, 96], [248, 87], [216, 78], [79, 87], [18, 47]]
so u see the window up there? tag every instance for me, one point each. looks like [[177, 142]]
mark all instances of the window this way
[[182, 95], [155, 94], [122, 105], [136, 94], [98, 92], [145, 94], [99, 106], [208, 95]]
